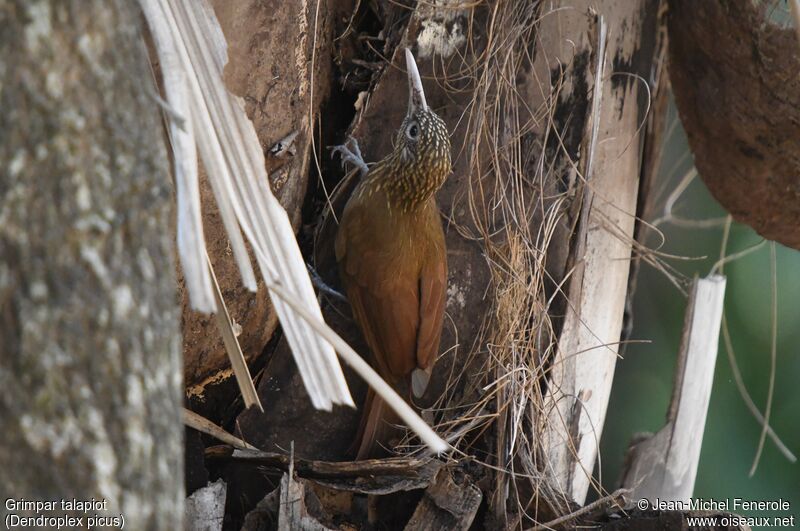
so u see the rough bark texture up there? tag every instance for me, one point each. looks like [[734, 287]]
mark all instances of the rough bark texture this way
[[450, 503], [738, 95], [299, 507], [90, 373]]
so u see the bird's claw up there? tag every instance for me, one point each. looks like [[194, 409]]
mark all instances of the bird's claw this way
[[350, 152], [316, 279]]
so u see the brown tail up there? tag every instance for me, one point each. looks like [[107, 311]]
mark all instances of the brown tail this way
[[376, 429]]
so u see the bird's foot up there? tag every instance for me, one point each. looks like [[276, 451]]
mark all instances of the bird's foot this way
[[350, 152], [321, 285]]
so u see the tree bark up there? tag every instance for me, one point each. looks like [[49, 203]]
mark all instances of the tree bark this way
[[737, 94], [90, 372]]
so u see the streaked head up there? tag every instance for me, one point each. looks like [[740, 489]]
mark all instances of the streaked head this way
[[422, 143]]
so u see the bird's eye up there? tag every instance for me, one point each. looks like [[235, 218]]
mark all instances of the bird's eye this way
[[413, 131]]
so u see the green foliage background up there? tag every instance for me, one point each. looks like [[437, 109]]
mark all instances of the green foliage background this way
[[643, 379]]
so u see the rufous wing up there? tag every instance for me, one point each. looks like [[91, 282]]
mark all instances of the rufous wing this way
[[389, 319], [383, 291], [432, 289]]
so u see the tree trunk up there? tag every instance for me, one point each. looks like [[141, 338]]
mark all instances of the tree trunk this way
[[90, 372]]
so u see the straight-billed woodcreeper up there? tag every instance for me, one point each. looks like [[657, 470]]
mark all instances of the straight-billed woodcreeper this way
[[392, 258]]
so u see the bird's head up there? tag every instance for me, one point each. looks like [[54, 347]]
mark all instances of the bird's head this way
[[422, 144]]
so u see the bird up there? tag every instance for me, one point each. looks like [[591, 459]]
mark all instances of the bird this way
[[392, 259]]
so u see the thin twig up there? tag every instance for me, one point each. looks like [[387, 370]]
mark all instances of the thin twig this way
[[773, 355], [726, 336], [748, 400], [203, 425], [239, 364], [615, 498]]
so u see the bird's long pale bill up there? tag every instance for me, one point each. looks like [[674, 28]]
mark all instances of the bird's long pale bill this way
[[416, 95]]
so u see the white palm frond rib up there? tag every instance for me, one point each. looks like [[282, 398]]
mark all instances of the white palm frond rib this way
[[189, 39]]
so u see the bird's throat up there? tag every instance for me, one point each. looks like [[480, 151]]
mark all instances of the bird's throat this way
[[408, 184]]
